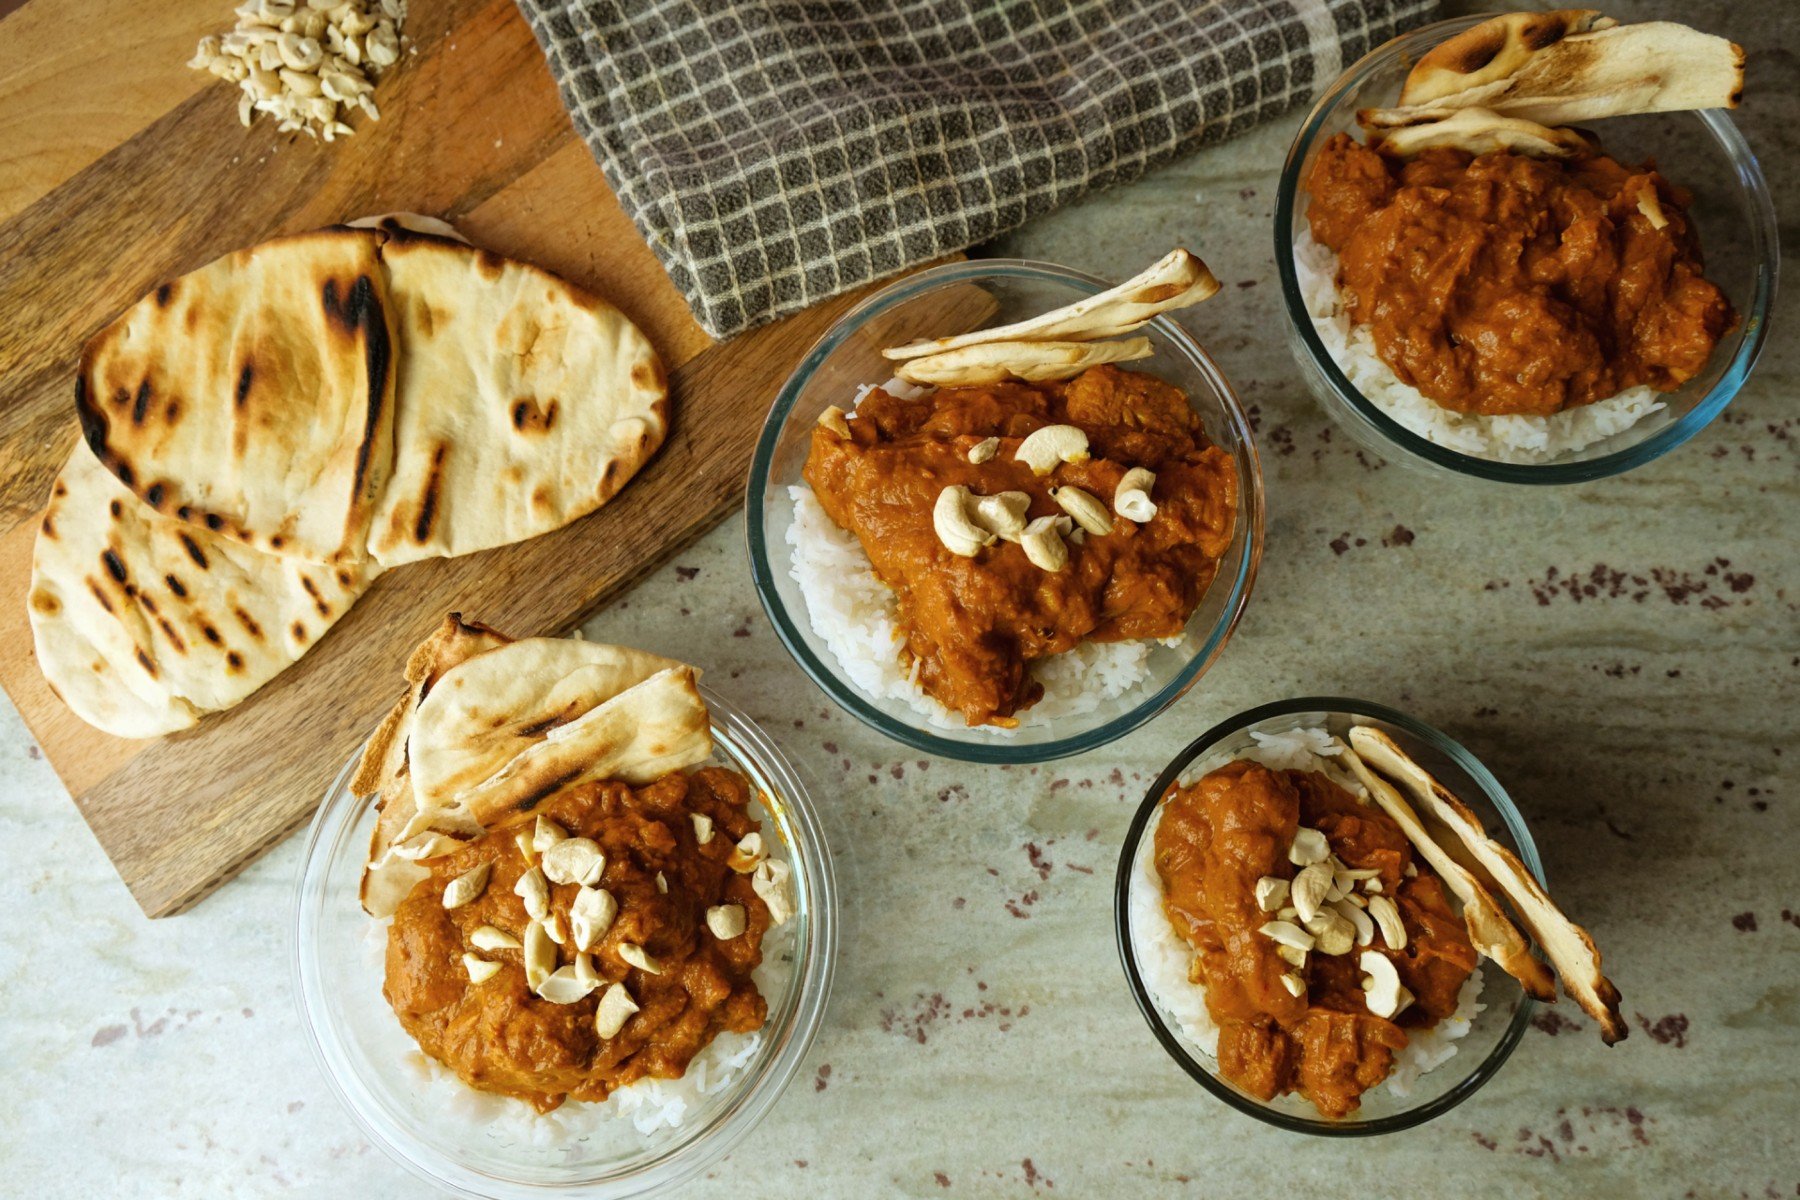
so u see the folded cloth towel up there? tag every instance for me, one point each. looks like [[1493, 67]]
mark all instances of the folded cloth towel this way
[[776, 152]]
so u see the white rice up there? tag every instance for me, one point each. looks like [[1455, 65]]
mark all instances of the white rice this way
[[624, 1117], [856, 615], [1514, 439], [1164, 958]]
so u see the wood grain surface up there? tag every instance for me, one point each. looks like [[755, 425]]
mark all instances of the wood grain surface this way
[[108, 190]]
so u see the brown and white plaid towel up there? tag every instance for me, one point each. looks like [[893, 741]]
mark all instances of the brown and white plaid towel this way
[[776, 152]]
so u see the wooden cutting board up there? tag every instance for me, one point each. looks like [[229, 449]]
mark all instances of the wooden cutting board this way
[[118, 168]]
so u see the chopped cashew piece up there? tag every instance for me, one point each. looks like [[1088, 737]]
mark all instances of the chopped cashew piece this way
[[726, 921], [480, 969], [1044, 448], [1309, 847], [540, 955], [1309, 889], [1287, 934], [703, 827], [532, 889], [591, 915], [553, 928], [546, 833], [1131, 499], [489, 938], [574, 860], [1387, 918], [1331, 933], [1382, 991], [1003, 514], [1271, 893], [833, 419], [1365, 928], [747, 853], [467, 886], [1292, 956], [662, 884], [527, 850], [1043, 543], [771, 885], [616, 1007], [636, 956], [955, 527], [565, 986], [1293, 983], [984, 450], [1088, 512]]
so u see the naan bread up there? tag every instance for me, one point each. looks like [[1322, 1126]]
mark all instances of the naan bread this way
[[522, 404], [1481, 131], [1598, 71], [1569, 947], [1036, 362], [1493, 50], [254, 397], [143, 623], [637, 737], [492, 708], [389, 876]]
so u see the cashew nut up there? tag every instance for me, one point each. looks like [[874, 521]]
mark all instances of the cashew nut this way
[[1365, 928], [1088, 512], [983, 450], [480, 969], [1131, 499], [616, 1007], [1271, 893], [1288, 934], [1052, 444], [1382, 990], [1293, 983], [833, 419], [1002, 515], [467, 886], [1309, 847], [1332, 934], [950, 518], [1309, 889], [300, 53], [1387, 919], [1043, 543]]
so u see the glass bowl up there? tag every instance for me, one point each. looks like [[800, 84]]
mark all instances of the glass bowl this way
[[971, 295], [377, 1073], [1506, 1009], [1701, 151]]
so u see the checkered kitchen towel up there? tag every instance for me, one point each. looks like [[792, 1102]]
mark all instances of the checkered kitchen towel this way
[[776, 152]]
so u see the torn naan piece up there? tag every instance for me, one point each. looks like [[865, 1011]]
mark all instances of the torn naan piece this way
[[143, 623], [1598, 71], [637, 737], [254, 396], [1492, 933], [1482, 131], [1178, 280], [401, 838], [522, 402], [1568, 946], [494, 707], [1034, 362]]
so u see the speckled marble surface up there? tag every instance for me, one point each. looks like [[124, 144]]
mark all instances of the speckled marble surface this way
[[1623, 655]]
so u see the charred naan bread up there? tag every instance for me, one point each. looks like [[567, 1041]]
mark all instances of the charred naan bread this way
[[254, 397], [1568, 67], [144, 623], [494, 707], [523, 402]]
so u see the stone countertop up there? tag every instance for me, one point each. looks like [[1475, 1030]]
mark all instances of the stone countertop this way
[[1622, 654]]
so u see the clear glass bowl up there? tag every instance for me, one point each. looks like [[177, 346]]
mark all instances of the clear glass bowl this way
[[1700, 151], [359, 1043], [1495, 1031], [972, 295]]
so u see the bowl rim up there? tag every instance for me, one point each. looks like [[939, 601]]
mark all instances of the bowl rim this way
[[816, 901], [1159, 1026], [1765, 242], [828, 677]]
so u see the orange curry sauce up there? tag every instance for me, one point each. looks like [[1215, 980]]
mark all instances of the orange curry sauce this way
[[974, 625], [1504, 284], [1217, 837]]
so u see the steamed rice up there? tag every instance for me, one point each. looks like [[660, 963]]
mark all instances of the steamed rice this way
[[856, 615], [1514, 439], [1164, 958]]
